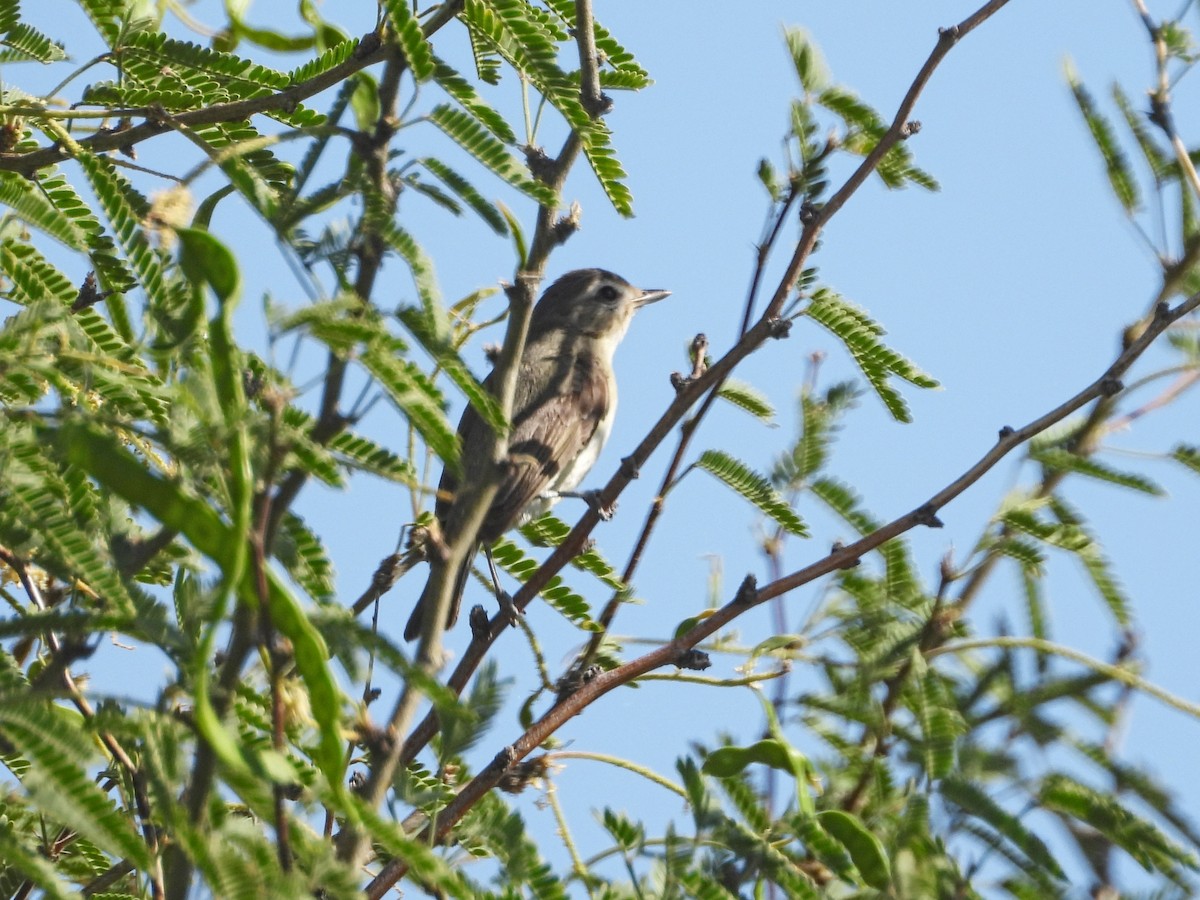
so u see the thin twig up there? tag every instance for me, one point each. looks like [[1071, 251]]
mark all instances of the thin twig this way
[[573, 705]]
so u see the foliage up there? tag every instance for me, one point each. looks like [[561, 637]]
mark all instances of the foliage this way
[[151, 453]]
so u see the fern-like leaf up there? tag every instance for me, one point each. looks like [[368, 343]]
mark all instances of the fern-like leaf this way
[[973, 800], [754, 487], [59, 750], [749, 398], [1058, 459], [467, 192], [860, 334], [565, 601], [1120, 178], [465, 131], [305, 558], [608, 169], [25, 42], [416, 49], [550, 531]]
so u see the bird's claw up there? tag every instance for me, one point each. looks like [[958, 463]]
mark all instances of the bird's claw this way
[[509, 612], [597, 505]]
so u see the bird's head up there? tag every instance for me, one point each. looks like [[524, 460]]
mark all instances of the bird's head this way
[[592, 302]]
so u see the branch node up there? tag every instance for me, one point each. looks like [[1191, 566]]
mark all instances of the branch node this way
[[949, 35], [541, 165], [696, 660], [565, 226], [697, 353], [630, 468], [479, 622], [1111, 386], [598, 105], [747, 592], [909, 128], [573, 680], [852, 563], [927, 516], [367, 44], [778, 328], [1006, 431], [523, 774], [1162, 311]]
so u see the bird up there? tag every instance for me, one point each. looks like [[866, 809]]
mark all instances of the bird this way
[[563, 410]]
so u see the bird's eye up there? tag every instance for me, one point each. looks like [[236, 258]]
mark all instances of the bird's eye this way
[[608, 292]]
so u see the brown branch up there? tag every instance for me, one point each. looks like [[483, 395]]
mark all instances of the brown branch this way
[[472, 504], [752, 338], [111, 744], [1106, 385]]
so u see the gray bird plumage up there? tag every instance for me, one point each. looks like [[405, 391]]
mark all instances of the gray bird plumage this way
[[566, 397]]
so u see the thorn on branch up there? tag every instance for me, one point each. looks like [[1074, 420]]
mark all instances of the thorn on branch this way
[[1111, 386], [567, 225], [693, 659], [927, 516], [696, 351], [1006, 431], [747, 592]]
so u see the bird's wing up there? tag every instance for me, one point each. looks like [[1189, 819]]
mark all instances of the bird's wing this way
[[550, 429]]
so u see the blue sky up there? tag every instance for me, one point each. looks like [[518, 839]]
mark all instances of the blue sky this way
[[1011, 286]]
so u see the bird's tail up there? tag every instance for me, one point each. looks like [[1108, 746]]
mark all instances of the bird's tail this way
[[413, 628]]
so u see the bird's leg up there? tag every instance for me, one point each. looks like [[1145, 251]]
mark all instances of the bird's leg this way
[[591, 498], [503, 597]]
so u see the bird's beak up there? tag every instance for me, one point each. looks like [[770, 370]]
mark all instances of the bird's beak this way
[[649, 297]]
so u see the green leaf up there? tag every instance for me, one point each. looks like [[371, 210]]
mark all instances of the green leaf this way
[[1145, 843], [464, 93], [1188, 455], [105, 460], [973, 800], [860, 334], [464, 130], [1120, 178], [865, 849], [754, 487], [301, 552], [467, 192], [205, 259], [31, 44], [58, 750], [414, 395], [806, 59], [416, 49], [550, 531], [725, 762], [597, 147], [746, 396], [22, 197], [509, 557], [1058, 459]]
